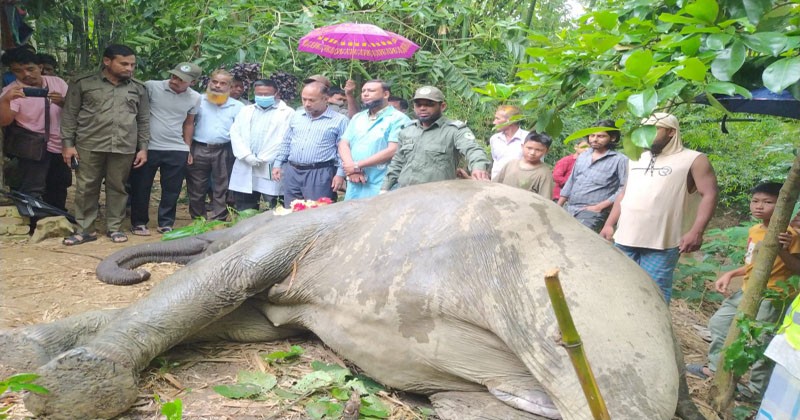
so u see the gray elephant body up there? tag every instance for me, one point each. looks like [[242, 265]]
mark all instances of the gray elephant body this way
[[429, 289]]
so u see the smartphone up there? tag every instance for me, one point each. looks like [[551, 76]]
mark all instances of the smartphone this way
[[74, 163], [35, 92]]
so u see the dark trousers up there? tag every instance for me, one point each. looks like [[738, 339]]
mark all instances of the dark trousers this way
[[209, 161], [306, 184], [245, 201], [172, 165], [47, 179]]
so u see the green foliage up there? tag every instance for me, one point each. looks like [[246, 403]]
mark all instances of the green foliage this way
[[284, 356], [200, 225], [628, 58], [172, 410], [323, 392], [17, 383], [250, 385], [723, 250], [749, 346]]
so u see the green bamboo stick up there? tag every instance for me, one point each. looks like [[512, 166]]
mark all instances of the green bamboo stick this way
[[571, 340]]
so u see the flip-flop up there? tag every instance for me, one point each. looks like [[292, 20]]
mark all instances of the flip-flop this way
[[117, 237], [78, 238], [165, 229], [696, 369], [140, 230]]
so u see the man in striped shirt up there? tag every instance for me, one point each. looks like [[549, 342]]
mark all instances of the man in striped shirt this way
[[308, 163]]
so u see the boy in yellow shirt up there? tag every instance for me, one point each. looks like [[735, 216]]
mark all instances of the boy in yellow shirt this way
[[787, 263]]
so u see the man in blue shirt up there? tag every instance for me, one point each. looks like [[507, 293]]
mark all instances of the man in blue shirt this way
[[370, 141], [211, 154], [597, 178], [308, 163]]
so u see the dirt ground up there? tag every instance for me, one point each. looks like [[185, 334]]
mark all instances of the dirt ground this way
[[47, 281]]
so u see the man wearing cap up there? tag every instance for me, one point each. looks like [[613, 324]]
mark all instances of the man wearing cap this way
[[370, 141], [212, 155], [657, 212], [428, 147], [173, 106], [308, 163]]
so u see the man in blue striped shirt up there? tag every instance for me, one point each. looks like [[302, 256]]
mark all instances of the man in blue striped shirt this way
[[308, 163]]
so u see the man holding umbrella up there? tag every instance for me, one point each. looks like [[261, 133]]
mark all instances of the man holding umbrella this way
[[370, 141]]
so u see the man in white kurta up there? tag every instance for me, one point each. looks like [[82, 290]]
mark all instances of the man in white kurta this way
[[256, 137]]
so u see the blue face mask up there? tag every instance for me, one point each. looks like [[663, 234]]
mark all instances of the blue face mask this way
[[265, 101]]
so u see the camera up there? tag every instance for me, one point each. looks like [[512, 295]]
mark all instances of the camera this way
[[35, 92], [74, 163]]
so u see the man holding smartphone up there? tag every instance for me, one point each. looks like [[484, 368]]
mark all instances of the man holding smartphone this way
[[23, 103]]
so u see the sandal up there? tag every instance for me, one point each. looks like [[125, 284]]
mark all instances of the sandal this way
[[164, 229], [117, 237], [79, 238], [698, 370], [140, 230]]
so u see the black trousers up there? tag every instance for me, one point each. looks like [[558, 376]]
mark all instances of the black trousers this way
[[172, 164], [47, 179]]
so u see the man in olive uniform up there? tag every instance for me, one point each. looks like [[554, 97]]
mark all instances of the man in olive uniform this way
[[105, 126], [428, 147]]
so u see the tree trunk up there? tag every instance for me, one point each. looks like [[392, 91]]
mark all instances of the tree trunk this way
[[724, 381]]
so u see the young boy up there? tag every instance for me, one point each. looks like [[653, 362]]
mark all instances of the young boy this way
[[530, 172], [787, 263]]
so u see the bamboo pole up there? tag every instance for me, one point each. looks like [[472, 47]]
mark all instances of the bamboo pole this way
[[571, 340]]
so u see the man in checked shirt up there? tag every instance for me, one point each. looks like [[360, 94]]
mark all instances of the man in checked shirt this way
[[598, 176], [308, 162]]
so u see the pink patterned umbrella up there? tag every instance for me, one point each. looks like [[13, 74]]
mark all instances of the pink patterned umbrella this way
[[358, 41]]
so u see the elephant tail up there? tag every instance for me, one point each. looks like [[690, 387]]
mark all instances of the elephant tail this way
[[120, 268]]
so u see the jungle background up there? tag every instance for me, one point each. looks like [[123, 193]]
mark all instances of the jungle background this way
[[567, 64]]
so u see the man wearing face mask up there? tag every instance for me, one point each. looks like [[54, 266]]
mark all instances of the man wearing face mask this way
[[173, 106], [211, 153], [370, 141], [256, 137]]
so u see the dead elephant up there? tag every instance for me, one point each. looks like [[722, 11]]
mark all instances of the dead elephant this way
[[436, 289]]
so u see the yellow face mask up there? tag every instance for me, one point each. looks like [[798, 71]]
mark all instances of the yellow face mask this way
[[217, 98]]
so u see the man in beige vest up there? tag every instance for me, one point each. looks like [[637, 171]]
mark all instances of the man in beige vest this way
[[657, 214]]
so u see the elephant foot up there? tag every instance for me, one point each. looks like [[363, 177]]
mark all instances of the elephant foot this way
[[83, 385], [20, 353], [454, 405]]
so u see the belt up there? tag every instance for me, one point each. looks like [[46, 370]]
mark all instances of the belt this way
[[211, 145], [326, 164]]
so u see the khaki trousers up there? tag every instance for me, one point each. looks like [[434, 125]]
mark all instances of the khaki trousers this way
[[95, 167]]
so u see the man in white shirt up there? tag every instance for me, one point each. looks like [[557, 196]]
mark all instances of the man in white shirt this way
[[256, 136], [506, 144]]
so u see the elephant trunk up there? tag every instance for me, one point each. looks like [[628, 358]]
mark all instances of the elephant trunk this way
[[120, 268]]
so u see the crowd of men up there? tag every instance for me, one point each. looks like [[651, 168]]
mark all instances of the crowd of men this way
[[114, 130]]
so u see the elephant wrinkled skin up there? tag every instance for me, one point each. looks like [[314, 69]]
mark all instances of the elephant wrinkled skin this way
[[436, 289]]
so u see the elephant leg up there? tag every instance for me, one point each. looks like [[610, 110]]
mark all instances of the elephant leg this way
[[26, 348], [107, 366], [476, 406], [247, 324], [686, 408], [524, 393]]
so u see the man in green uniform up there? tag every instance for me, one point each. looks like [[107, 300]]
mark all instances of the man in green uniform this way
[[105, 126], [429, 147]]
